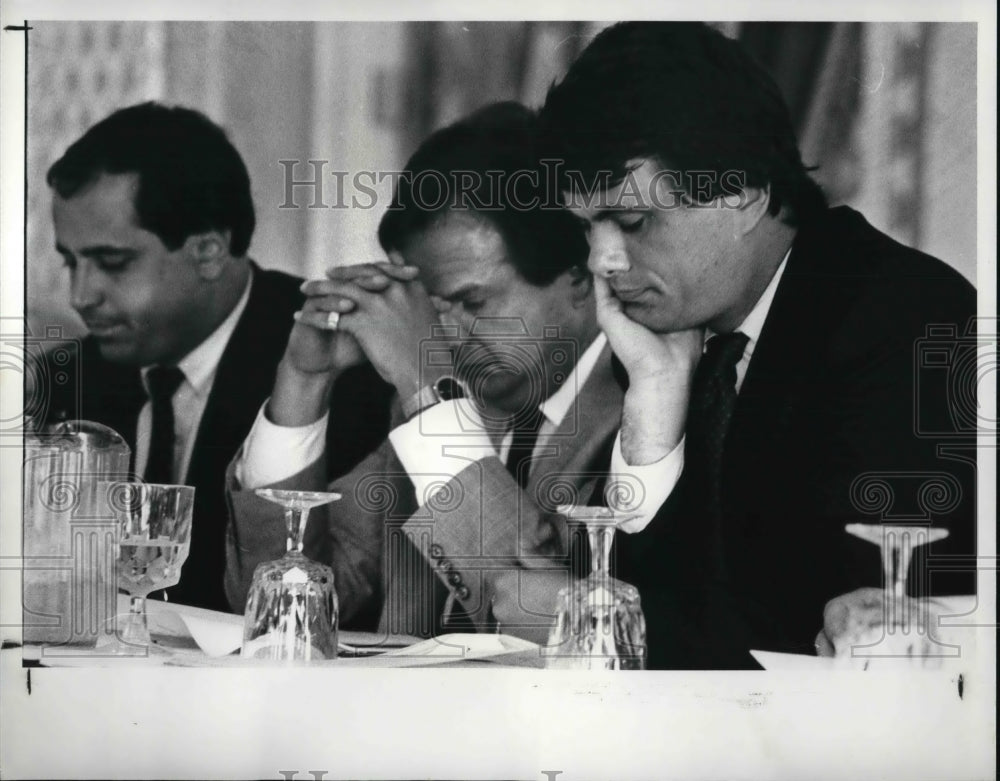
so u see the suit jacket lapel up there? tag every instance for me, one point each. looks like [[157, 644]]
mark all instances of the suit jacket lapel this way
[[578, 443], [574, 452], [243, 380], [785, 360]]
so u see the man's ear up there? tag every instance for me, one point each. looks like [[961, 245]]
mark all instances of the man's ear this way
[[753, 206], [581, 285], [210, 253]]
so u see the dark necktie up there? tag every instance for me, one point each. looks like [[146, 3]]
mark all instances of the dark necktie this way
[[713, 400], [522, 445], [163, 382]]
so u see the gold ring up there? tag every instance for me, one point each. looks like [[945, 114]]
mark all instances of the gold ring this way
[[332, 320]]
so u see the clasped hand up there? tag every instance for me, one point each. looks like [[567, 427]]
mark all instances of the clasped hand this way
[[385, 313]]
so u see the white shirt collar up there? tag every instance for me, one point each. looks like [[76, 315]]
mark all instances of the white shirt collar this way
[[200, 364], [555, 407]]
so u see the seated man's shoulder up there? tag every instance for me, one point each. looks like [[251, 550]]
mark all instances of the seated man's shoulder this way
[[864, 251]]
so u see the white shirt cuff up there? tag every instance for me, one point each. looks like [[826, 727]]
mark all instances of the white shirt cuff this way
[[439, 443], [272, 453], [641, 490]]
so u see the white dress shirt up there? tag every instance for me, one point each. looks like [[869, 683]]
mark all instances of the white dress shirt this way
[[437, 443], [189, 400], [656, 481]]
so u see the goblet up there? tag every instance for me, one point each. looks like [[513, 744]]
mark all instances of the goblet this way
[[152, 543], [291, 612], [599, 622]]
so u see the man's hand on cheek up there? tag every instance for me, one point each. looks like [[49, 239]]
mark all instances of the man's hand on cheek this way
[[645, 354], [659, 368]]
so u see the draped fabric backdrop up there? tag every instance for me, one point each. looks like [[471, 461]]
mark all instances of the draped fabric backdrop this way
[[886, 111]]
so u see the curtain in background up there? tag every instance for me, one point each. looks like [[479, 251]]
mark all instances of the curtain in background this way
[[887, 112], [453, 68], [870, 103]]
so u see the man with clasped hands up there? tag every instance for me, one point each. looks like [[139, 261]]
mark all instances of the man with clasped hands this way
[[483, 321]]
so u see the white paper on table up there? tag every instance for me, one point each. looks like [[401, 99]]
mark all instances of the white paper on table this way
[[466, 646], [773, 660], [216, 633], [220, 634]]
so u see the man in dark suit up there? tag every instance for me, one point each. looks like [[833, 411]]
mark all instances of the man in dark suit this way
[[770, 346], [507, 412], [153, 218]]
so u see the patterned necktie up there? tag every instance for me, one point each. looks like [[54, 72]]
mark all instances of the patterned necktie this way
[[713, 399], [163, 382], [522, 445]]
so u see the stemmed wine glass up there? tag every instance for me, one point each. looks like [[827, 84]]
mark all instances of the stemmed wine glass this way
[[897, 543], [152, 541], [599, 623], [291, 612]]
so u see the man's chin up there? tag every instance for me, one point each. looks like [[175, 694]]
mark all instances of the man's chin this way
[[652, 317], [119, 351], [641, 313]]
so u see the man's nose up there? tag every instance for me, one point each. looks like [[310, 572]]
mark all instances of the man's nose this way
[[607, 251], [86, 290]]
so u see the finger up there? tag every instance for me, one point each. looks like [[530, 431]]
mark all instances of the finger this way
[[323, 321], [319, 287], [440, 304], [823, 645], [374, 284], [328, 287], [403, 273], [395, 258], [603, 296], [349, 289], [353, 271], [326, 304]]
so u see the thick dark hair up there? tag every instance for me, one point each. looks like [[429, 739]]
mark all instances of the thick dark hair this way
[[191, 178], [486, 164], [686, 96]]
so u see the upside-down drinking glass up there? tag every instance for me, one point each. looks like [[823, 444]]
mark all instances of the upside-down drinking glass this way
[[897, 543], [291, 612], [599, 624]]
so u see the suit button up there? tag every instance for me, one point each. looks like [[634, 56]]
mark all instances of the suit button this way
[[445, 565], [436, 551], [455, 579], [463, 592]]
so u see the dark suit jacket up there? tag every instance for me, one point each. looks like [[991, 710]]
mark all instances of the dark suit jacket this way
[[112, 394], [841, 418], [484, 546]]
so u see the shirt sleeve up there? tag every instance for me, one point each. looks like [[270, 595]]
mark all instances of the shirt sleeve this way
[[272, 453], [642, 489], [439, 443]]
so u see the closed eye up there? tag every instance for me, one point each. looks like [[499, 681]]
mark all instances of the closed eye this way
[[113, 261], [631, 222]]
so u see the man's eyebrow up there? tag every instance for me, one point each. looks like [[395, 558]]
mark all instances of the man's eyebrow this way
[[97, 249], [613, 211]]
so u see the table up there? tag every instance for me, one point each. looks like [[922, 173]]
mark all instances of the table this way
[[185, 636]]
